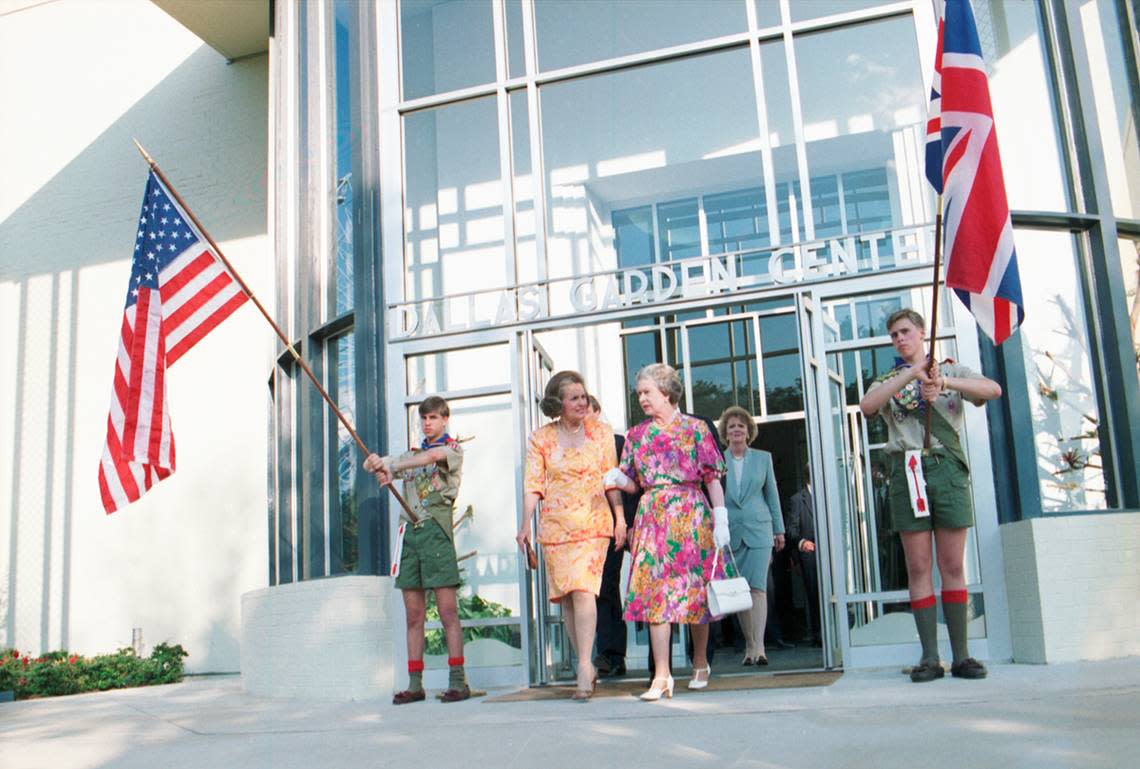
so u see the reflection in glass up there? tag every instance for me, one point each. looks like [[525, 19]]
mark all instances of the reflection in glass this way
[[864, 112], [579, 31], [875, 623], [343, 517], [767, 13], [527, 267], [813, 9], [1021, 88], [453, 217], [783, 383], [484, 538], [1112, 67], [462, 368], [608, 176], [1059, 372], [639, 350], [445, 45], [345, 30], [1130, 269], [516, 52]]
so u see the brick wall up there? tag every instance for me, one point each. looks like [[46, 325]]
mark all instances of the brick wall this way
[[1074, 587]]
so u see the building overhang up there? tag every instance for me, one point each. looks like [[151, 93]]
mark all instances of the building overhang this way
[[233, 28]]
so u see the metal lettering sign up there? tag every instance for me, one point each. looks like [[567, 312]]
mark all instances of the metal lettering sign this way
[[661, 284]]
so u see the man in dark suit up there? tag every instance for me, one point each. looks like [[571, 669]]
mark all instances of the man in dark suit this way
[[801, 536], [610, 639]]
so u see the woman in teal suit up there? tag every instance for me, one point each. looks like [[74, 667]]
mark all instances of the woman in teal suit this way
[[755, 523]]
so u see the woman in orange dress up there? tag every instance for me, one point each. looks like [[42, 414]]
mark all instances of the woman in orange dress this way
[[565, 462]]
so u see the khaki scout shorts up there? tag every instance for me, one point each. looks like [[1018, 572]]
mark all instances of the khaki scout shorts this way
[[947, 489], [427, 559]]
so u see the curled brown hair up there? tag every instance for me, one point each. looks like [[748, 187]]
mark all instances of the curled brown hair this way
[[551, 403]]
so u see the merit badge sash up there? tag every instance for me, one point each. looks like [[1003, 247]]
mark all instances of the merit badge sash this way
[[398, 549], [916, 483]]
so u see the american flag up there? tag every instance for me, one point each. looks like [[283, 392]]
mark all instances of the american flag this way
[[962, 163], [178, 293]]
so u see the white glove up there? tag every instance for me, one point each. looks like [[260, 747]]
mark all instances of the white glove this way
[[720, 527], [615, 479]]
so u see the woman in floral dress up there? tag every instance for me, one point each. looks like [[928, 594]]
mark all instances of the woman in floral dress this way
[[565, 463], [676, 534]]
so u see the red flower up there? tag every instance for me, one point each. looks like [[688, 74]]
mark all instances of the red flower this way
[[71, 660], [25, 661], [15, 654]]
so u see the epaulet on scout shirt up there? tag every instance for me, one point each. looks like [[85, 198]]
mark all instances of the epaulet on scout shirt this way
[[453, 444]]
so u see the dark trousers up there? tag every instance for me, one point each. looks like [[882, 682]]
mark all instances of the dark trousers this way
[[811, 584], [610, 639]]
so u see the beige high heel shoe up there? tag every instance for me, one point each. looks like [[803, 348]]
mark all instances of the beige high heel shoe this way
[[704, 682], [658, 687]]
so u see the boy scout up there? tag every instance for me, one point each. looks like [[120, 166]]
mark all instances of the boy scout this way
[[901, 398], [427, 557]]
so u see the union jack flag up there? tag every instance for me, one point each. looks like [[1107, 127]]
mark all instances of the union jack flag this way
[[962, 163], [178, 293]]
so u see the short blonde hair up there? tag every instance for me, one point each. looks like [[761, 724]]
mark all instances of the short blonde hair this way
[[736, 412], [665, 378]]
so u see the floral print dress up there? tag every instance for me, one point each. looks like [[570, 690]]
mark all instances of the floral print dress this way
[[672, 536], [575, 522]]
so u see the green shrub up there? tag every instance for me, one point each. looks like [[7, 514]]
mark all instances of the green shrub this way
[[61, 672]]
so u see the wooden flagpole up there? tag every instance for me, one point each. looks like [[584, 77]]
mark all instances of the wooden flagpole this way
[[265, 314], [934, 315]]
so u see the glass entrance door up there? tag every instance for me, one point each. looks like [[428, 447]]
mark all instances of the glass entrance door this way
[[750, 357]]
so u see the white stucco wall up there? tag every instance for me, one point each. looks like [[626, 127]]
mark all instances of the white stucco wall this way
[[85, 77]]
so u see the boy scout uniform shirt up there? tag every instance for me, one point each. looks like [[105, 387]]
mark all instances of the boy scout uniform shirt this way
[[431, 490], [906, 422]]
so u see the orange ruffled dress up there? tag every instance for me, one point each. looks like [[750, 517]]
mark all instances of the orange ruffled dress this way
[[575, 523]]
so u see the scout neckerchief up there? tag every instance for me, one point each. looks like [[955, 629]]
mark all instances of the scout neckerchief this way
[[440, 441]]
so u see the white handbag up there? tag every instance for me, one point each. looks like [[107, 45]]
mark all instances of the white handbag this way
[[728, 596]]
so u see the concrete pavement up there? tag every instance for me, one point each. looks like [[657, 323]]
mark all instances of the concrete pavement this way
[[1083, 715]]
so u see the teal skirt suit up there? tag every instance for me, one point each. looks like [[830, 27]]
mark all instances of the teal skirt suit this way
[[754, 517]]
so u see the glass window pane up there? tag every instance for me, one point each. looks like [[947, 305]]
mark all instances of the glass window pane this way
[[814, 9], [864, 112], [343, 520], [695, 130], [782, 137], [439, 372], [445, 45], [679, 229], [639, 350], [526, 254], [1130, 268], [633, 236], [1059, 373], [767, 13], [737, 220], [783, 383], [876, 623], [346, 30], [516, 53], [1012, 38], [454, 216], [578, 31], [1112, 64]]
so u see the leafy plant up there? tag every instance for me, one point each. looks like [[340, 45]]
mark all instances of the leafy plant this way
[[61, 672]]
